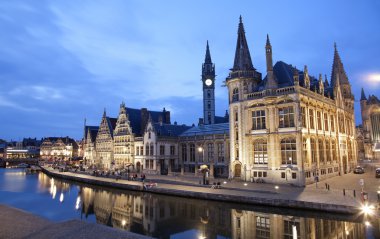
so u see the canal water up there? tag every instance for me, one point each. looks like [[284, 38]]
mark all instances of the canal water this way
[[171, 217]]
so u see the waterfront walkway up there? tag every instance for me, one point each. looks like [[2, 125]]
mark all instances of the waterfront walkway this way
[[17, 224], [310, 197]]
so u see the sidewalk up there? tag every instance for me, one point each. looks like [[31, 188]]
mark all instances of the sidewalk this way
[[251, 193]]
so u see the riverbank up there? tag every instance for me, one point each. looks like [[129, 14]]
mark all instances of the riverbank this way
[[17, 224], [248, 193]]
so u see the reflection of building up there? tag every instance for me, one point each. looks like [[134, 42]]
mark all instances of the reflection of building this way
[[27, 148], [58, 148], [289, 126], [163, 217], [248, 224], [370, 109]]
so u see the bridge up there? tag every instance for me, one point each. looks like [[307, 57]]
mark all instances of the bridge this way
[[9, 162]]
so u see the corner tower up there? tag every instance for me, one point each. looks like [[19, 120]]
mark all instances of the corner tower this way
[[208, 80]]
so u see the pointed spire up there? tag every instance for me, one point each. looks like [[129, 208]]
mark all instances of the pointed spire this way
[[338, 69], [268, 42], [208, 55], [104, 112], [326, 83], [242, 56], [271, 82], [363, 97]]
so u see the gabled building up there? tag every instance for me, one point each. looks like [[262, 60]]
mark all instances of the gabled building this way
[[61, 148], [370, 111], [289, 127]]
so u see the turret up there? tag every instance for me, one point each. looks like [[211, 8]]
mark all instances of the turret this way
[[320, 84], [296, 76], [306, 77], [271, 81]]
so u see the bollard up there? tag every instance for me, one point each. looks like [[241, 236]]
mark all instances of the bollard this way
[[344, 192], [328, 187], [354, 194]]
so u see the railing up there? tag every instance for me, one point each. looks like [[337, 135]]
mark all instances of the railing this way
[[271, 92]]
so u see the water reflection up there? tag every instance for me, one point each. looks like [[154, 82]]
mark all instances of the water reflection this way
[[173, 217]]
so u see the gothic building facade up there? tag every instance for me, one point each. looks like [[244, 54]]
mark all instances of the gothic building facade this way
[[370, 129], [289, 127], [284, 127]]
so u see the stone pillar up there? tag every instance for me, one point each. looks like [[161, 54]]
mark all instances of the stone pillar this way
[[211, 170]]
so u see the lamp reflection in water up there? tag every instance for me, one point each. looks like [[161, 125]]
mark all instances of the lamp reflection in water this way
[[77, 204], [61, 197], [204, 221]]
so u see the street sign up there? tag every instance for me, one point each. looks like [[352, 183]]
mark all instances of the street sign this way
[[361, 182]]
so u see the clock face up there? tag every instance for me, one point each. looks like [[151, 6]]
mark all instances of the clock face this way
[[208, 82]]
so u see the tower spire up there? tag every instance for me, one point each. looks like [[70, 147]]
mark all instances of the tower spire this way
[[208, 55], [271, 81], [363, 97], [208, 80], [242, 56], [338, 69], [104, 112]]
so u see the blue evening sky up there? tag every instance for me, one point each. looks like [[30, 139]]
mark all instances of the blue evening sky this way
[[63, 61]]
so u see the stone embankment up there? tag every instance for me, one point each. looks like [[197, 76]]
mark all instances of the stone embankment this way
[[286, 196], [17, 224]]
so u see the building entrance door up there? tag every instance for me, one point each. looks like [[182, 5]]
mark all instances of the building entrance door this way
[[237, 170]]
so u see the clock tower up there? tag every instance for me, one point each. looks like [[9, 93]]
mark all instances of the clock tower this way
[[208, 82]]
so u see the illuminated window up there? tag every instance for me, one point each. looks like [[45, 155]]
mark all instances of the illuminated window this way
[[286, 117], [289, 151], [258, 119], [260, 155]]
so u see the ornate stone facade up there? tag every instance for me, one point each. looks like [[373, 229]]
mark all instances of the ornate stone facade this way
[[370, 111], [289, 127]]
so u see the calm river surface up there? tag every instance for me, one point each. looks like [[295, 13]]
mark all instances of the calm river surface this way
[[171, 217]]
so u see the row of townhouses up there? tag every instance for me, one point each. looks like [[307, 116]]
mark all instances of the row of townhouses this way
[[285, 127]]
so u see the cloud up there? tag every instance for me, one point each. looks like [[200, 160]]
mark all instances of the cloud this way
[[38, 92]]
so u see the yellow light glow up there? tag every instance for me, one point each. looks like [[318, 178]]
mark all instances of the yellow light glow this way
[[368, 209], [245, 184], [276, 187], [123, 222], [367, 223]]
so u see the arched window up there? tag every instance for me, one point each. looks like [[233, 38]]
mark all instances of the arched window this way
[[313, 151], [321, 151], [333, 150], [235, 94], [289, 151], [260, 155], [328, 150], [151, 149]]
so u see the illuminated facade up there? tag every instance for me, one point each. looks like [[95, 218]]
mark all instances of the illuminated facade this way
[[289, 127], [370, 111], [63, 148]]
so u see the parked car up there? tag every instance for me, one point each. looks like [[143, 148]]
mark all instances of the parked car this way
[[377, 173], [359, 169]]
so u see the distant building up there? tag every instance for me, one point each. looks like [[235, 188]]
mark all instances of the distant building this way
[[27, 148], [59, 148], [370, 111], [289, 127]]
